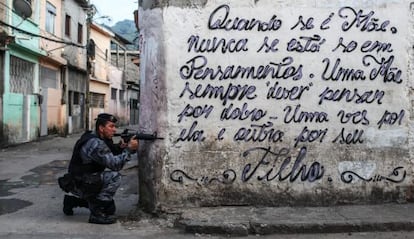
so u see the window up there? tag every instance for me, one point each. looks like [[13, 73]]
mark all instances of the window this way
[[21, 76], [80, 33], [97, 100], [76, 97], [49, 78], [67, 25], [113, 94], [134, 104], [122, 95], [50, 17]]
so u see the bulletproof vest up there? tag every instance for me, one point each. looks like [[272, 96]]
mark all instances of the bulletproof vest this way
[[76, 167]]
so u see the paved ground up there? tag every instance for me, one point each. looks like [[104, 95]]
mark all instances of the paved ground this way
[[31, 207], [31, 201]]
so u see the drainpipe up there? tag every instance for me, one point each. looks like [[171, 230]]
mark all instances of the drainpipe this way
[[90, 14]]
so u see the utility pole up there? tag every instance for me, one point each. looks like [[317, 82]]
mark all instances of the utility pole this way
[[90, 13]]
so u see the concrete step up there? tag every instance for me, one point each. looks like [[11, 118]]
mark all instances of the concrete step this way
[[242, 221]]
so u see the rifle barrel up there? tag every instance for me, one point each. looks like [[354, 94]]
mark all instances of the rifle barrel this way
[[139, 136]]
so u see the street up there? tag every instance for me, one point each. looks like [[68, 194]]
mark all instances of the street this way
[[31, 201]]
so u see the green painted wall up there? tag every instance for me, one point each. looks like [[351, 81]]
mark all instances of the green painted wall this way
[[21, 112]]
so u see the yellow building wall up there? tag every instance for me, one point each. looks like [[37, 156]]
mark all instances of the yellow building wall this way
[[101, 62]]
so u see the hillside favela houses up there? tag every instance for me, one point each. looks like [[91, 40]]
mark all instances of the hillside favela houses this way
[[50, 82]]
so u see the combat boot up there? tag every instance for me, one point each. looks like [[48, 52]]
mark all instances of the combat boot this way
[[98, 214], [110, 207], [70, 202]]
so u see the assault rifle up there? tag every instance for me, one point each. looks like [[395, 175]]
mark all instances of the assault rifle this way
[[126, 135]]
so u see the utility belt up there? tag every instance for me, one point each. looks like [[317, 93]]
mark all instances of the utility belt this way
[[88, 184]]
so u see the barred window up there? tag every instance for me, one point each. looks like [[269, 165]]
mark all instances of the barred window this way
[[21, 76]]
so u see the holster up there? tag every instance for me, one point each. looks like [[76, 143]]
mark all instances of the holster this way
[[90, 184], [66, 182]]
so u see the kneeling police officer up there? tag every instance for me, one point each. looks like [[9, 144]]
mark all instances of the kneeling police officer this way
[[93, 175]]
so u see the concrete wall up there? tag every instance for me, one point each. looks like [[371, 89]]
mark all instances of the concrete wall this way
[[76, 56], [100, 88], [52, 95], [102, 39], [53, 50], [117, 107], [276, 102], [3, 11], [21, 110], [52, 108], [99, 80]]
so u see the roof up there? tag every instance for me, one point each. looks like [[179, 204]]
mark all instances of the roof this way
[[122, 39], [118, 37], [102, 30]]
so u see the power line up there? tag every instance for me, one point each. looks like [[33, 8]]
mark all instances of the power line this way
[[40, 36], [8, 7]]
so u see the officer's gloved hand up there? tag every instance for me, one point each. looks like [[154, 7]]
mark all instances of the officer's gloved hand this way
[[133, 144]]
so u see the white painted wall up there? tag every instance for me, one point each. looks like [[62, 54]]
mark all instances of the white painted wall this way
[[357, 150]]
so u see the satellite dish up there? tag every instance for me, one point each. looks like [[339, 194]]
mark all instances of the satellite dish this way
[[23, 8]]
